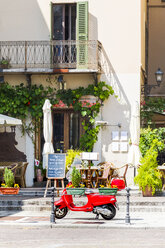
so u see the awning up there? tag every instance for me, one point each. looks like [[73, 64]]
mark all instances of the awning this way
[[9, 121]]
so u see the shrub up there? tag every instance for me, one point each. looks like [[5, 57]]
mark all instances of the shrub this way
[[76, 177], [148, 174], [147, 135], [9, 178], [70, 156]]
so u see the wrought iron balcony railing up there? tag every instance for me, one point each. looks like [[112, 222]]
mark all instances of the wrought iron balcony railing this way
[[51, 54]]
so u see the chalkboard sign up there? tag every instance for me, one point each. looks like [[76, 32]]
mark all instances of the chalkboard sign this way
[[56, 165]]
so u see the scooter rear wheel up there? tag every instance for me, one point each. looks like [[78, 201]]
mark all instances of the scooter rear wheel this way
[[60, 213], [112, 215]]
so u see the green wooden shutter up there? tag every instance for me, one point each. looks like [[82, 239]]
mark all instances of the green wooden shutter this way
[[82, 34]]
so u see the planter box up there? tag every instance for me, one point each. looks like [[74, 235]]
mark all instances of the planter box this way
[[75, 191], [9, 191], [4, 66], [108, 191]]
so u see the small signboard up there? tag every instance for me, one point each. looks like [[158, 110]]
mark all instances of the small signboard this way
[[90, 156], [56, 165]]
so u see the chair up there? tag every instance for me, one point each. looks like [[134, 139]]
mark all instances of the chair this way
[[20, 174], [106, 173], [122, 176]]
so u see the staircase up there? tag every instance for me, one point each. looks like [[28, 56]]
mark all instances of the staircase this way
[[31, 199]]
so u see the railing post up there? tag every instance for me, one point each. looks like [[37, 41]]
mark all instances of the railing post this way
[[127, 217], [52, 216], [25, 55]]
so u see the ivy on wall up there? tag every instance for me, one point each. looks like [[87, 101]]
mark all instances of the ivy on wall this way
[[149, 106], [20, 101]]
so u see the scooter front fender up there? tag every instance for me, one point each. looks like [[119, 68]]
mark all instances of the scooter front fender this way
[[60, 203]]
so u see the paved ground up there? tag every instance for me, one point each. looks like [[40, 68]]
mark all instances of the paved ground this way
[[83, 220], [27, 237]]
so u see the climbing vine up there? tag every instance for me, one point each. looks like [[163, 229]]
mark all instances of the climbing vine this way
[[20, 101], [149, 106]]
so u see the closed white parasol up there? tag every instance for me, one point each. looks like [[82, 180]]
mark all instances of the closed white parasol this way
[[134, 151], [9, 121], [47, 128]]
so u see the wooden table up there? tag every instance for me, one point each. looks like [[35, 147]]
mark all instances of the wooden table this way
[[161, 168], [89, 176]]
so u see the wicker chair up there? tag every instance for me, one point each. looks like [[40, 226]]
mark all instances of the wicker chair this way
[[124, 174], [20, 174], [106, 174]]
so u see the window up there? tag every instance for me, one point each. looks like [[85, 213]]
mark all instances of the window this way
[[64, 21], [69, 26]]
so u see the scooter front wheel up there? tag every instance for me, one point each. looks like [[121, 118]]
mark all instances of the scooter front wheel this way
[[60, 213], [112, 215]]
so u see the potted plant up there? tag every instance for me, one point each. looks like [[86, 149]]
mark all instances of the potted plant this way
[[4, 63], [149, 177], [9, 187], [75, 188], [40, 172]]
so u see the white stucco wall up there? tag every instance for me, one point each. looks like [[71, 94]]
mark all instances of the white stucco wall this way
[[116, 24], [26, 146]]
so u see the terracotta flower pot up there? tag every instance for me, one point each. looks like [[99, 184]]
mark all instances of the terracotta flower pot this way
[[39, 175], [9, 191], [147, 192]]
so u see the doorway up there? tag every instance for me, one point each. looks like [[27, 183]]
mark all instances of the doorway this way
[[67, 129]]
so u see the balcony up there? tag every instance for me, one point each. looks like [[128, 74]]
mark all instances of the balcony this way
[[50, 56]]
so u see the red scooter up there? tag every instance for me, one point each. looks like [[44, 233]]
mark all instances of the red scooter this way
[[105, 205]]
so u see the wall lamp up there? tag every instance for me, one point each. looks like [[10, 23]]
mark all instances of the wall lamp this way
[[146, 89], [62, 82]]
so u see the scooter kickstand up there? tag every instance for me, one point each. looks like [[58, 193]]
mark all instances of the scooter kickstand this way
[[97, 217]]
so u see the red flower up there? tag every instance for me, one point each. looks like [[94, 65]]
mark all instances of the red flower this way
[[142, 103], [28, 103]]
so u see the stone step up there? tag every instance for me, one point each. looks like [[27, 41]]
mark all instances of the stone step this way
[[45, 202], [31, 199], [41, 191], [48, 208]]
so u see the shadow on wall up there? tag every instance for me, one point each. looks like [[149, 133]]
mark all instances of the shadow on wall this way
[[26, 21], [120, 108]]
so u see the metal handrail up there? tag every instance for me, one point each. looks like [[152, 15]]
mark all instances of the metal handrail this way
[[71, 54]]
